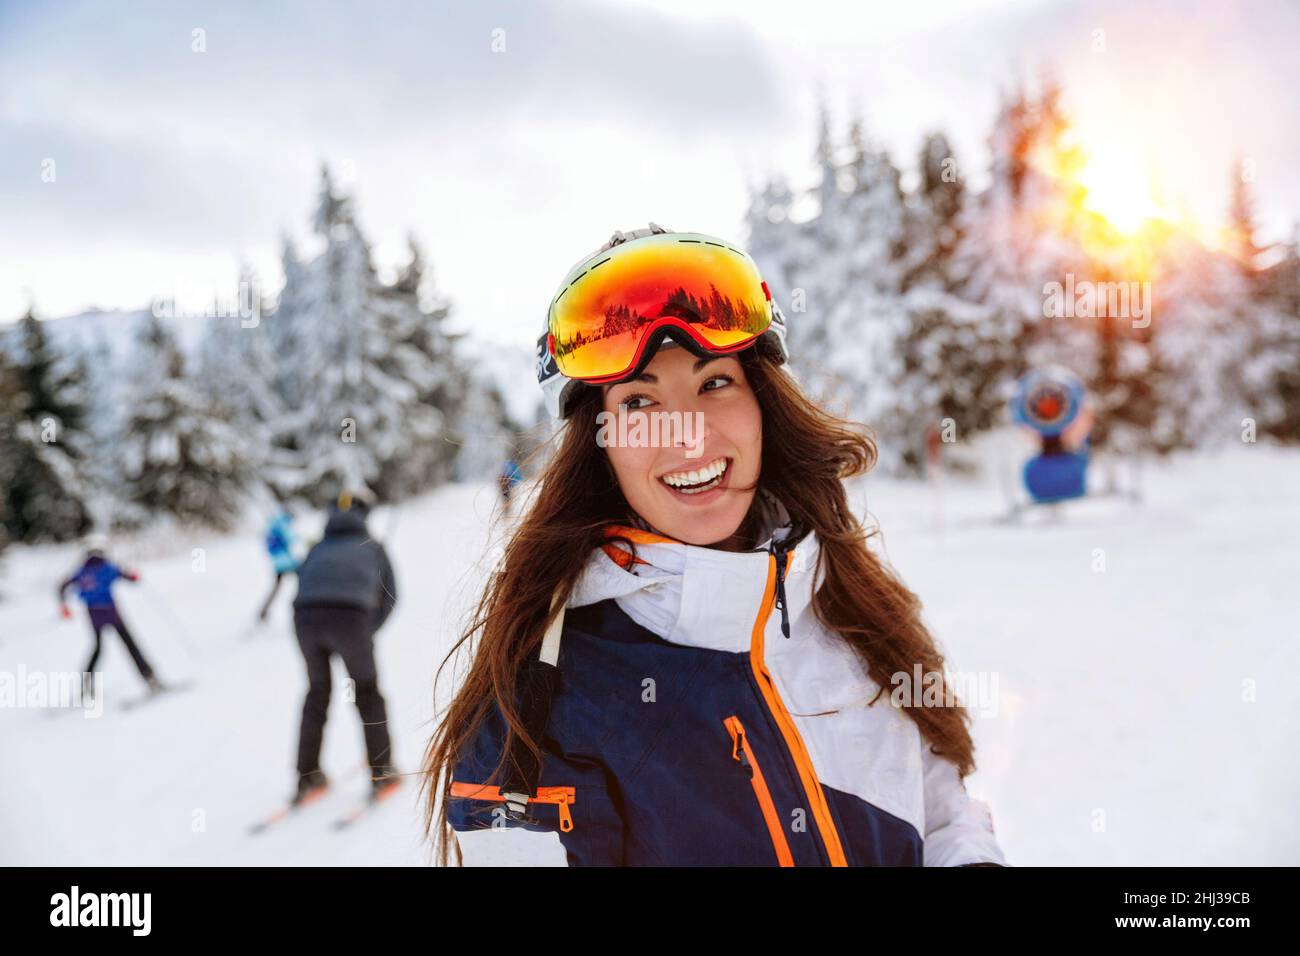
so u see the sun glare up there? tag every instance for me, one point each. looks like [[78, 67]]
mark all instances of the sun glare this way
[[1120, 211], [1119, 190]]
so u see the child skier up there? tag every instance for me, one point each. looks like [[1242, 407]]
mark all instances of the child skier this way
[[94, 583], [688, 654]]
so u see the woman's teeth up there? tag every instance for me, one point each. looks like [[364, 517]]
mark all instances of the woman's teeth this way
[[698, 480]]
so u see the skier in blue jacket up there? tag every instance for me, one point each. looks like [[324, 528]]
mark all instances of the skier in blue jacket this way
[[511, 475], [689, 656], [279, 546], [94, 584]]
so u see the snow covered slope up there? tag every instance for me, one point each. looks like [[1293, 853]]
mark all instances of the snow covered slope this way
[[1122, 729]]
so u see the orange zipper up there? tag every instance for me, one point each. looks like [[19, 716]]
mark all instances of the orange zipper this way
[[821, 810], [562, 797], [744, 755]]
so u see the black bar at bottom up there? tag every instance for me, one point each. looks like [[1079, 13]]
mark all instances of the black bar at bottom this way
[[944, 908]]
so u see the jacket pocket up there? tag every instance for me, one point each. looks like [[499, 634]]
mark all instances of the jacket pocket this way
[[562, 797], [743, 754]]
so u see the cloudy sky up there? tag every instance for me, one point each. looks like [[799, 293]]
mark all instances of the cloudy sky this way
[[513, 137]]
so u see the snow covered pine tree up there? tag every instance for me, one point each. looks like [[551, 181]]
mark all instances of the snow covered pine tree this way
[[43, 444]]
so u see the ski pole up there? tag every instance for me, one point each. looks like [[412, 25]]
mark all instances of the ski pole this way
[[156, 601]]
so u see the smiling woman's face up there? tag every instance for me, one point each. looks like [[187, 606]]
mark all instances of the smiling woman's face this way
[[698, 492]]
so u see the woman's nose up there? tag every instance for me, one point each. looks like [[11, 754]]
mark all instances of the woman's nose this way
[[690, 428]]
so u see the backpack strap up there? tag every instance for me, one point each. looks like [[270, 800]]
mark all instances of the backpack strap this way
[[539, 680]]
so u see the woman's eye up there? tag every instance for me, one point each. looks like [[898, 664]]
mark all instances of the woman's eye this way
[[633, 402], [716, 382]]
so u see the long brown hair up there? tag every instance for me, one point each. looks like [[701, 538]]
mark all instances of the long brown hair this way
[[807, 455]]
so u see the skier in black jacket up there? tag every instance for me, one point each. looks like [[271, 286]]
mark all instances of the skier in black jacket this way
[[346, 590]]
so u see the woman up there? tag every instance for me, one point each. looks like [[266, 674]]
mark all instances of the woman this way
[[721, 689]]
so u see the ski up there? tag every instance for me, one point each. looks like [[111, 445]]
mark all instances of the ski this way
[[352, 816], [278, 816], [86, 709], [362, 809], [283, 813], [134, 702]]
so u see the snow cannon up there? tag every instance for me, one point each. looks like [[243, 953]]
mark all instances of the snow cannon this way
[[1053, 402], [1048, 400]]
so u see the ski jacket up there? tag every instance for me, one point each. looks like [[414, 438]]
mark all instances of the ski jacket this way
[[94, 581], [279, 543], [705, 717], [346, 568]]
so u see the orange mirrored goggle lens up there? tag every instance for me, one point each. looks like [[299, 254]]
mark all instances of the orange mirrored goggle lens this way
[[600, 321]]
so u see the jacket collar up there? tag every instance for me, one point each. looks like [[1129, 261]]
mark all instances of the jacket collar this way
[[347, 522], [696, 596]]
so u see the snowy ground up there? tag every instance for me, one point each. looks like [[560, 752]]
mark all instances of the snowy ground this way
[[1146, 706]]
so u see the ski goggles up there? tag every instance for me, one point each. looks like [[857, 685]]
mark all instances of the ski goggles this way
[[614, 305]]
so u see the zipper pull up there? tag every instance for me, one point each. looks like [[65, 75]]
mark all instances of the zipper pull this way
[[738, 751], [780, 557], [566, 819]]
